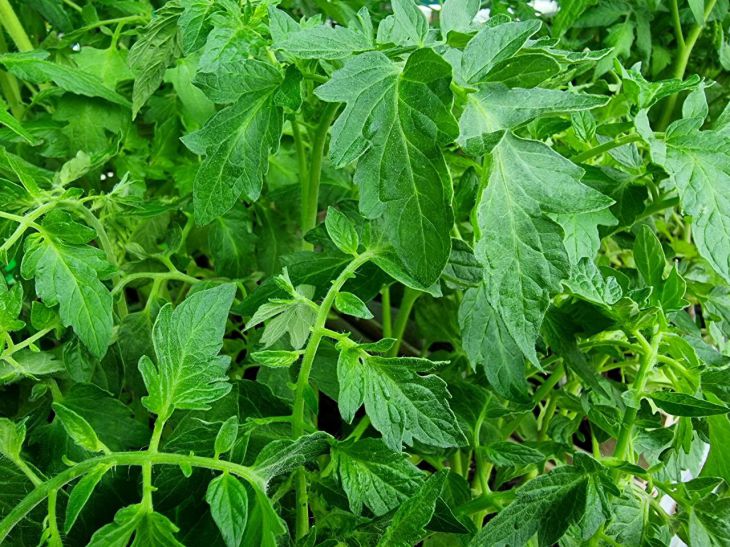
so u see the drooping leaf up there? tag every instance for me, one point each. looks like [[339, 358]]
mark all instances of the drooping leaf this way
[[393, 124], [237, 141], [520, 247], [228, 502]]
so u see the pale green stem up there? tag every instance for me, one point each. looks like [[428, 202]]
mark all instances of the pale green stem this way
[[14, 28], [41, 492], [311, 188], [648, 360], [302, 503]]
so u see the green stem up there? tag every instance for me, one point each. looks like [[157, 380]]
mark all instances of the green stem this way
[[23, 224], [404, 312], [311, 189], [359, 429], [302, 166], [25, 343], [387, 313], [302, 505], [680, 64], [41, 492], [55, 536], [605, 147], [9, 86], [147, 487], [648, 360], [677, 23], [176, 276], [14, 28]]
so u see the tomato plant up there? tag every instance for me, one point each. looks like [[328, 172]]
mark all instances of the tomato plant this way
[[304, 272]]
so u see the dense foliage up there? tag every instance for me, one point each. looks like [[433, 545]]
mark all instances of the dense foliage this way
[[358, 273]]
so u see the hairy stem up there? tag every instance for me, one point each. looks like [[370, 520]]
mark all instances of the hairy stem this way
[[648, 360], [310, 191], [605, 147], [42, 491], [302, 505]]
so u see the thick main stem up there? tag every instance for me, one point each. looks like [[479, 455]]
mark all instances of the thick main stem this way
[[310, 190], [648, 360], [302, 504]]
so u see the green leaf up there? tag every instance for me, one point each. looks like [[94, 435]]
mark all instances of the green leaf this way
[[649, 257], [324, 42], [118, 532], [282, 456], [15, 126], [374, 476], [514, 454], [226, 437], [699, 166], [569, 12], [341, 231], [503, 362], [350, 304], [155, 530], [79, 429], [407, 526], [546, 505], [228, 502], [189, 373], [152, 53], [406, 27], [493, 44], [195, 24], [11, 304], [681, 404], [495, 107], [265, 525], [524, 71], [276, 358], [396, 139], [34, 68], [81, 493], [295, 317], [12, 437], [69, 276], [237, 141], [231, 244], [709, 521], [718, 459], [457, 15], [402, 405], [521, 248]]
